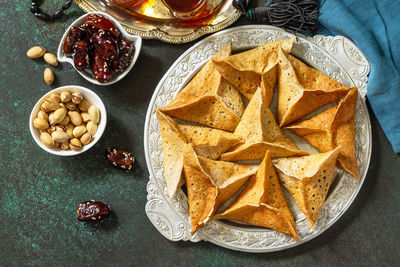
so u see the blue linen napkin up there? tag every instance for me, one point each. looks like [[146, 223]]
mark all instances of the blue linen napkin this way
[[374, 26]]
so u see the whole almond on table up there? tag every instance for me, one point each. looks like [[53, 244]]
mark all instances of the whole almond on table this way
[[48, 76], [36, 52], [50, 59]]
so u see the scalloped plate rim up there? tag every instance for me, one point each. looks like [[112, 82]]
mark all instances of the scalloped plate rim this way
[[205, 236]]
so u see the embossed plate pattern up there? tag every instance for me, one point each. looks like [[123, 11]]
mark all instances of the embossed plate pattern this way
[[337, 57]]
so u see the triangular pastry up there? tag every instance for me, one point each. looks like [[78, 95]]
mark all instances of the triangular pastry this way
[[260, 133], [210, 183], [308, 180], [262, 202]]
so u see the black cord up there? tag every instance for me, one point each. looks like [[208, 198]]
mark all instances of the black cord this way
[[35, 9], [294, 15]]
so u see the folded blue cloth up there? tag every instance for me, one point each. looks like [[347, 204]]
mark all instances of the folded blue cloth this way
[[374, 26]]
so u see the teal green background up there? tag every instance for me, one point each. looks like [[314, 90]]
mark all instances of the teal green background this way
[[39, 192]]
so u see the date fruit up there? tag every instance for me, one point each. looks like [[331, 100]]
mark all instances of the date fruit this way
[[100, 69], [121, 62], [74, 35], [102, 23], [97, 44], [81, 55], [89, 31], [120, 158], [92, 211], [105, 45]]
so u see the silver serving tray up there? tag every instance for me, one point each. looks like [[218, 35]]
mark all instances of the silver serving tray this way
[[337, 57]]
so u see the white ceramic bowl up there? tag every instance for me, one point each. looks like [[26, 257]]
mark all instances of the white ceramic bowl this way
[[87, 74], [87, 94]]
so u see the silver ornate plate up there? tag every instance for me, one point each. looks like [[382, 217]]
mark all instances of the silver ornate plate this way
[[337, 57]]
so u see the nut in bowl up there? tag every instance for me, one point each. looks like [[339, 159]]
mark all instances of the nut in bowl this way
[[99, 48], [68, 120]]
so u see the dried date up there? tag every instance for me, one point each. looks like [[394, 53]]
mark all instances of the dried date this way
[[74, 35], [121, 62], [102, 23], [120, 158], [100, 68], [92, 210], [105, 45], [81, 55]]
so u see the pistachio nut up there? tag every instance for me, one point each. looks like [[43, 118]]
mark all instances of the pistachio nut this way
[[50, 59], [48, 76], [56, 144], [65, 121], [94, 114], [86, 139], [59, 115], [70, 106], [36, 52], [40, 124], [65, 96], [76, 97], [91, 127], [59, 136], [75, 144], [51, 129], [84, 105], [69, 129], [75, 118], [43, 115], [85, 117], [46, 139], [54, 97], [65, 145], [51, 119], [79, 131], [49, 105], [59, 128]]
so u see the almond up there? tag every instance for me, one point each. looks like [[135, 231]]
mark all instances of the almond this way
[[36, 52], [50, 59], [48, 76]]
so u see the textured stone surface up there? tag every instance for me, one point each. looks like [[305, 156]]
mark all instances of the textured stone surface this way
[[39, 192]]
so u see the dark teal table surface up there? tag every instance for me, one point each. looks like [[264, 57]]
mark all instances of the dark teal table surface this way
[[39, 192]]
